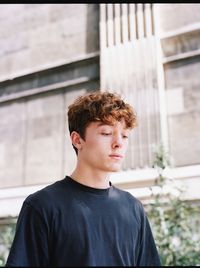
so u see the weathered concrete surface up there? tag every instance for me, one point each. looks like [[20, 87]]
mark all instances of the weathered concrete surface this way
[[34, 145], [34, 36], [174, 16], [184, 127], [12, 133]]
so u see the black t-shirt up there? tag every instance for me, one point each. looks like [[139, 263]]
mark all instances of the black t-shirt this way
[[70, 224]]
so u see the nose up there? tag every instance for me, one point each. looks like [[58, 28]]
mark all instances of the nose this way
[[117, 141]]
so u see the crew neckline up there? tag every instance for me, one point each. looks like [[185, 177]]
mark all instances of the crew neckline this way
[[86, 188]]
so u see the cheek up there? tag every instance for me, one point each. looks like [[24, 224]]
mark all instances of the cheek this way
[[98, 140], [126, 145], [93, 144]]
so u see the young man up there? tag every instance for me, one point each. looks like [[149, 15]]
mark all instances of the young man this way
[[83, 220]]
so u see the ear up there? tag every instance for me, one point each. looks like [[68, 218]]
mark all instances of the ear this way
[[76, 140]]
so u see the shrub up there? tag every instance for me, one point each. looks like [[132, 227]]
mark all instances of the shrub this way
[[172, 218], [6, 237]]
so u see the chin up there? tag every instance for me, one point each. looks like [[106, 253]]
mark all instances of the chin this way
[[111, 168], [115, 169]]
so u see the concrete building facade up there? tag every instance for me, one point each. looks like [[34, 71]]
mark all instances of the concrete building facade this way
[[51, 53]]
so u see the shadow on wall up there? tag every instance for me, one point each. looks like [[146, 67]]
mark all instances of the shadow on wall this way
[[92, 28]]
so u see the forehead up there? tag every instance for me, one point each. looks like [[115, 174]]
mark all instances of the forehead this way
[[114, 124]]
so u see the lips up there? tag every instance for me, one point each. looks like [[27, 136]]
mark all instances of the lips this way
[[116, 156]]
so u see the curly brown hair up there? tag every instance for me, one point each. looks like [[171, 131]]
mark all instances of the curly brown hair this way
[[99, 106]]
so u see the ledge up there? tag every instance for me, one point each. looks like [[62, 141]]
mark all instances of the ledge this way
[[181, 56], [183, 30], [137, 182], [52, 87], [45, 67]]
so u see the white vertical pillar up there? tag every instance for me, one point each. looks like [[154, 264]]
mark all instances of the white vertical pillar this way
[[117, 24], [103, 45], [161, 82], [102, 25], [148, 21], [124, 23], [140, 21], [110, 25], [132, 22]]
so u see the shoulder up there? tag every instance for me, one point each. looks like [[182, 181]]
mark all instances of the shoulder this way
[[134, 204], [127, 196], [48, 197]]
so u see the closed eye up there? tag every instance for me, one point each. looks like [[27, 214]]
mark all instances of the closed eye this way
[[106, 134]]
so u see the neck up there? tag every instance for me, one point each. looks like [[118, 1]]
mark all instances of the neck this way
[[91, 178]]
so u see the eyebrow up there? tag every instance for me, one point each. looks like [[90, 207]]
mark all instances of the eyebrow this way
[[110, 125], [104, 124]]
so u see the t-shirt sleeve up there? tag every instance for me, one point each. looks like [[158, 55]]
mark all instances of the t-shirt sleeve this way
[[30, 244], [148, 253]]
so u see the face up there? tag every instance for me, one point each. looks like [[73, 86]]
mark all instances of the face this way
[[104, 146]]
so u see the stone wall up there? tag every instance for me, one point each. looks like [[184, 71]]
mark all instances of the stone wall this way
[[49, 55], [179, 29], [175, 16], [39, 36]]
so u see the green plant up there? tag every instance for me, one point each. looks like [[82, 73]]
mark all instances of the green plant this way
[[172, 218], [6, 237]]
